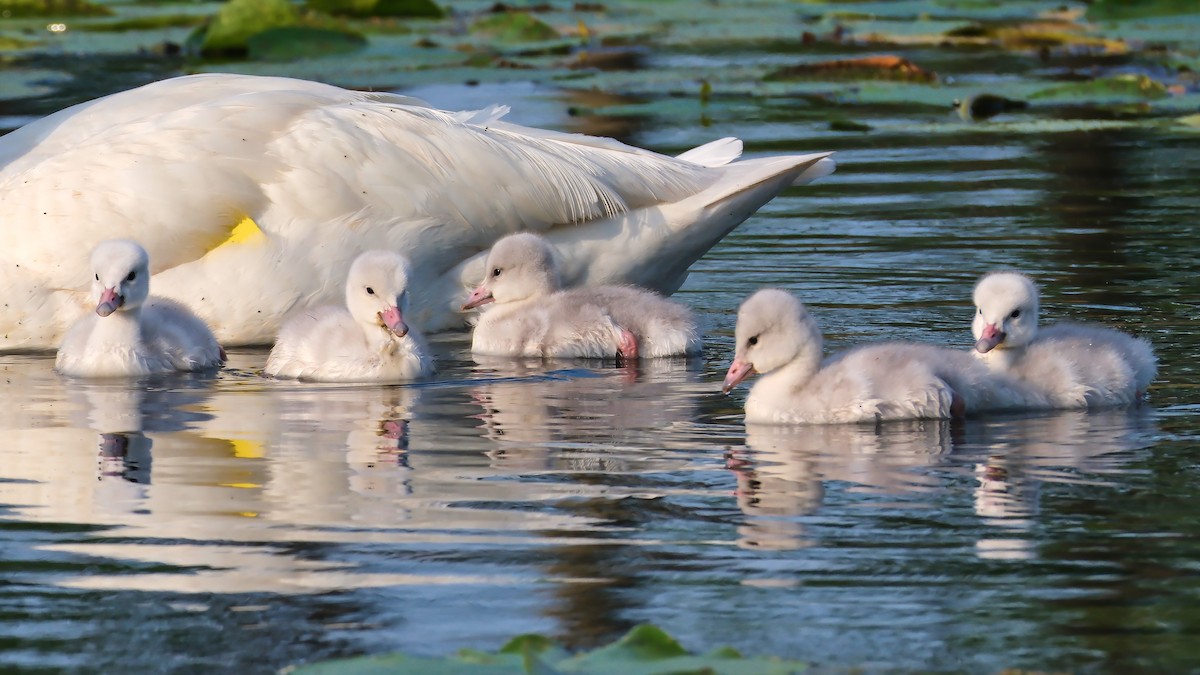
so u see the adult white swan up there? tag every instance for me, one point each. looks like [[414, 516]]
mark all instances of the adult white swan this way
[[253, 195]]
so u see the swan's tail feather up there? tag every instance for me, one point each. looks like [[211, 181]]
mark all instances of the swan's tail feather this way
[[819, 170], [716, 153], [751, 173]]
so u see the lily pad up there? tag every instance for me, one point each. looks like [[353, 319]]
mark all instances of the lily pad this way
[[864, 68], [1038, 35], [28, 8], [424, 9], [645, 650], [1115, 10], [238, 20], [152, 22], [1117, 87], [288, 43], [514, 27]]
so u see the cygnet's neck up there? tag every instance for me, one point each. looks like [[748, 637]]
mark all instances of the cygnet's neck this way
[[384, 342], [121, 329], [1002, 359], [789, 379]]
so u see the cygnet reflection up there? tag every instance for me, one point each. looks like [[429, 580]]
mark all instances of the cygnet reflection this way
[[581, 420], [1019, 457], [782, 474]]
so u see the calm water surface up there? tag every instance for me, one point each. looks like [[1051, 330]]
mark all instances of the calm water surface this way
[[233, 523]]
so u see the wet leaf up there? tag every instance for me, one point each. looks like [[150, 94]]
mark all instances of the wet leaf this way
[[1038, 35], [841, 124], [425, 9], [514, 27], [645, 650], [863, 68], [1111, 10], [296, 42], [238, 20], [1117, 87], [153, 22], [51, 8]]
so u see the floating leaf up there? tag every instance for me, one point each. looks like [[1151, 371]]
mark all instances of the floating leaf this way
[[153, 22], [842, 124], [1126, 86], [26, 8], [238, 20], [1115, 10], [296, 42], [645, 650], [514, 27], [1037, 35], [864, 68], [424, 9]]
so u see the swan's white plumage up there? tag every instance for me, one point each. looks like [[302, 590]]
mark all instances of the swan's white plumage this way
[[129, 333], [777, 337], [534, 316], [367, 340], [1073, 365], [327, 173]]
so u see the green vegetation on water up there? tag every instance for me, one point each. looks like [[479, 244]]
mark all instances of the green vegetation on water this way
[[644, 650]]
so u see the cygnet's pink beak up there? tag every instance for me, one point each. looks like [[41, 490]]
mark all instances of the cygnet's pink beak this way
[[738, 371], [109, 302], [394, 321], [991, 337], [479, 296]]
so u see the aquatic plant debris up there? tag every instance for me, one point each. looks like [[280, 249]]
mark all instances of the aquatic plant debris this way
[[843, 60], [644, 650]]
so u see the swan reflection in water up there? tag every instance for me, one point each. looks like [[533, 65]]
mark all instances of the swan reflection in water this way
[[784, 472]]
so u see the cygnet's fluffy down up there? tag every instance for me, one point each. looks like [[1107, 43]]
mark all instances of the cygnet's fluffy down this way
[[777, 338], [1073, 365], [131, 334], [368, 340], [534, 316]]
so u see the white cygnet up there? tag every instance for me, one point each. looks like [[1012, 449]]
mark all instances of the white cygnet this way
[[534, 316], [130, 333], [1073, 365], [368, 340], [778, 338]]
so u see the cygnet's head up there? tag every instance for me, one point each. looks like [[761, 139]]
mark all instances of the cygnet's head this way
[[1006, 311], [519, 266], [120, 275], [773, 329], [377, 291]]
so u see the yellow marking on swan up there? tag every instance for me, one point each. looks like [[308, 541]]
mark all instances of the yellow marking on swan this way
[[245, 232], [246, 449]]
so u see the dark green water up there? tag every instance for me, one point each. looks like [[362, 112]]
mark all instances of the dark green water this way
[[235, 524]]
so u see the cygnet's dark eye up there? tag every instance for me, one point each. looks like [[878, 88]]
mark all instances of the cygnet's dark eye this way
[[1016, 313], [753, 341], [132, 276], [97, 277], [370, 291], [496, 272]]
